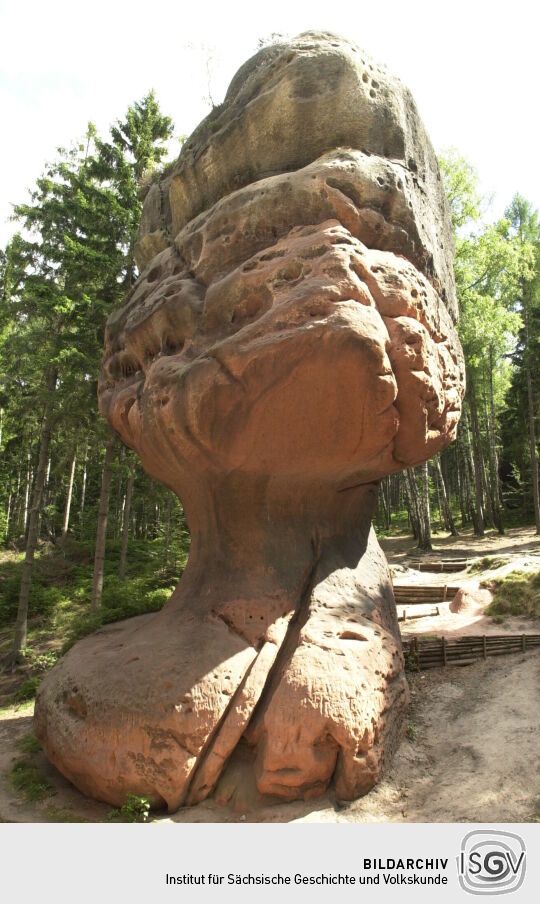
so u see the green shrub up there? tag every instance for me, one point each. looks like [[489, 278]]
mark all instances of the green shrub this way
[[134, 809], [411, 731], [412, 661]]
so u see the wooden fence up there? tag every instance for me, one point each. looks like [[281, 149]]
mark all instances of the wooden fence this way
[[427, 653]]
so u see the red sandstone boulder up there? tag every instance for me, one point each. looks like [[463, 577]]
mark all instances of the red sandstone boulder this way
[[471, 598], [289, 342]]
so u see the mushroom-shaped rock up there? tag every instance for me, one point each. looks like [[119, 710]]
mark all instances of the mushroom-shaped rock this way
[[289, 342]]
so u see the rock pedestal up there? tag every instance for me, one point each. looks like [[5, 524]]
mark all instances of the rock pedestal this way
[[289, 342]]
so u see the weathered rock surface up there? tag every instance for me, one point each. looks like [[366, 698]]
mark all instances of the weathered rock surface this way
[[289, 342]]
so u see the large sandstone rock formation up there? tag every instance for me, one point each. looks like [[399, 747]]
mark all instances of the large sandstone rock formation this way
[[289, 342]]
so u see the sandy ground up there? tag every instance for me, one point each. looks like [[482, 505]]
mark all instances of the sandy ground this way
[[471, 753], [520, 548]]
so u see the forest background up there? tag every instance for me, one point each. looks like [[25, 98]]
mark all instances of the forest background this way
[[87, 536]]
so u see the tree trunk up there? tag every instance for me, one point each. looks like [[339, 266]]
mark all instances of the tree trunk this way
[[103, 514], [167, 530], [119, 506], [493, 457], [384, 504], [27, 489], [477, 511], [424, 507], [21, 624], [69, 493], [17, 503], [530, 406], [8, 511], [532, 448], [447, 511], [479, 467], [412, 498], [125, 524], [83, 489], [460, 488]]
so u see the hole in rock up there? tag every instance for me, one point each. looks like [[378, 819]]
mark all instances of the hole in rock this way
[[352, 635], [172, 346], [271, 255]]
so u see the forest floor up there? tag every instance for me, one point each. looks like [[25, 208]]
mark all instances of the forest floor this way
[[470, 753]]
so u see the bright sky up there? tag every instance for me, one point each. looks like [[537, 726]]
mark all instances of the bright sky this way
[[472, 67]]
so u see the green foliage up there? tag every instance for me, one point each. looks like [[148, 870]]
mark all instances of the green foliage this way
[[26, 778], [53, 630], [412, 661], [461, 186], [60, 277], [134, 809], [26, 691], [412, 731], [28, 744], [516, 594]]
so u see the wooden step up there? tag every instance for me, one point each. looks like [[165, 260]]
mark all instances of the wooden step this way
[[414, 594], [421, 564]]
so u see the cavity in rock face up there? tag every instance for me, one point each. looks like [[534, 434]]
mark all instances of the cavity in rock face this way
[[288, 343]]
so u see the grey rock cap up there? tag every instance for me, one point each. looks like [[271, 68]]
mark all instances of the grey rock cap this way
[[286, 107]]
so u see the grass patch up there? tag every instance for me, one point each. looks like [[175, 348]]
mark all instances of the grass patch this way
[[26, 779], [26, 692], [516, 594], [61, 814], [28, 744], [487, 563]]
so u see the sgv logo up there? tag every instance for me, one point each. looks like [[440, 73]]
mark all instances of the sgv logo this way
[[491, 863]]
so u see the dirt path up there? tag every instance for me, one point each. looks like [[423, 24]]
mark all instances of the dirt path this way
[[518, 541], [472, 755]]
